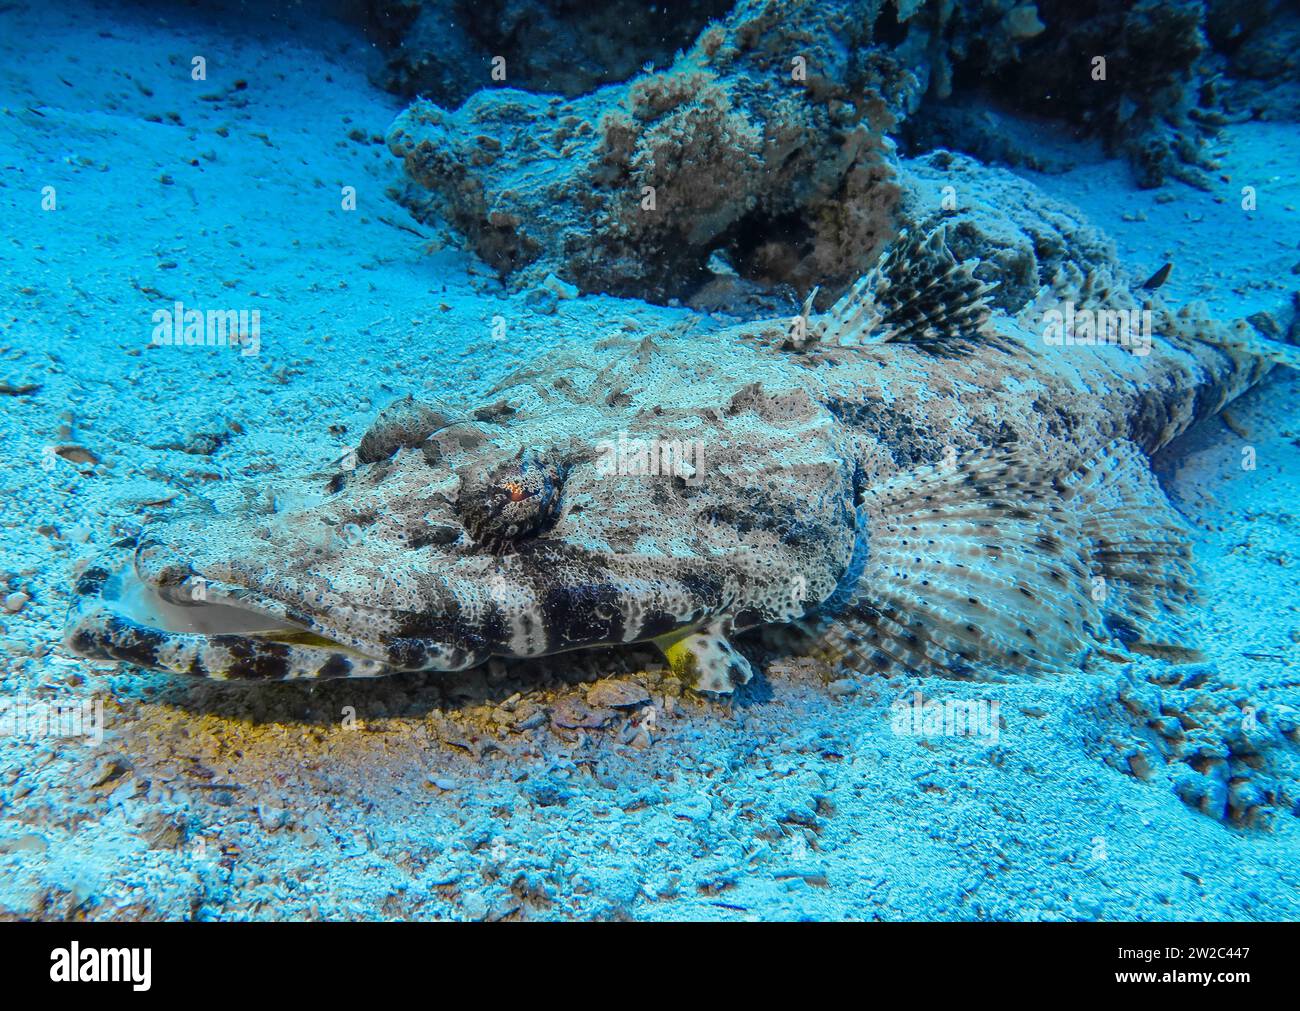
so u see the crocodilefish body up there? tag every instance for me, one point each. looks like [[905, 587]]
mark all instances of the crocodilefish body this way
[[912, 479]]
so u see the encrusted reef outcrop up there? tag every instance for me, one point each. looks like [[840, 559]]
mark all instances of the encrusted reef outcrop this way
[[1153, 79], [1257, 52], [754, 142], [442, 48], [1021, 237], [762, 158]]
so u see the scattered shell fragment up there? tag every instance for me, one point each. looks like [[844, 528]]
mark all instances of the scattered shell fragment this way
[[76, 453], [617, 693]]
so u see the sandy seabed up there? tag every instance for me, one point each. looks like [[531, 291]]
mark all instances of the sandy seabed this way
[[516, 792]]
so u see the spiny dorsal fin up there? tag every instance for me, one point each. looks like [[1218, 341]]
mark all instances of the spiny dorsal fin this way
[[917, 294]]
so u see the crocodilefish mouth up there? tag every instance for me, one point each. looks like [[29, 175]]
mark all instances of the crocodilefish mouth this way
[[196, 626]]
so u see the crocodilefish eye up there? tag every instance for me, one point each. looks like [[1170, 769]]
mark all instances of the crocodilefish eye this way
[[510, 502]]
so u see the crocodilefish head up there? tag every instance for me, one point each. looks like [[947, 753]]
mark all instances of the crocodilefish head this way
[[442, 542]]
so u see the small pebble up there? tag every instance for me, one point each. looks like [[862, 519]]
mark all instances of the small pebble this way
[[562, 289], [475, 906], [16, 601], [617, 693]]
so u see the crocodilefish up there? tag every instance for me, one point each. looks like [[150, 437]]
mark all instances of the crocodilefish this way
[[912, 479]]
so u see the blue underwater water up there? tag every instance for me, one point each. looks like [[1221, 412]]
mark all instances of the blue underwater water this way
[[236, 233]]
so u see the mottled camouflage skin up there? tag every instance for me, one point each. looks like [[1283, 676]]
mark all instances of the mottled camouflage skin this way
[[400, 563]]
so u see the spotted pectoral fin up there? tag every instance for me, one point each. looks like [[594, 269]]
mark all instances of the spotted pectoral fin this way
[[707, 659], [996, 563], [1140, 554]]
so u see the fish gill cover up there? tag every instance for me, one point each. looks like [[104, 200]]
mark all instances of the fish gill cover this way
[[816, 460]]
